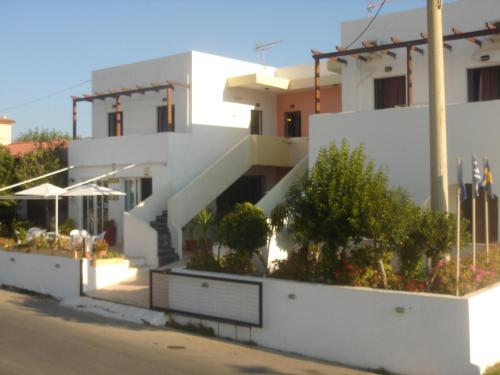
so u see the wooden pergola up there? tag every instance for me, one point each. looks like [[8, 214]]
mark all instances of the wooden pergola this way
[[169, 86], [387, 49]]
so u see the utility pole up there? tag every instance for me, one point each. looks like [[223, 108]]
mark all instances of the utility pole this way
[[437, 108]]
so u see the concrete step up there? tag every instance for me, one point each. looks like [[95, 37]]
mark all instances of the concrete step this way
[[136, 262], [167, 258]]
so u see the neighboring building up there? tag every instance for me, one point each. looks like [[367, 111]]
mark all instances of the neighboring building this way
[[374, 97], [22, 148], [6, 130], [231, 131]]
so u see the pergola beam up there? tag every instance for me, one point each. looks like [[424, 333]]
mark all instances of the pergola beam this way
[[385, 52], [405, 44], [357, 56], [410, 45], [445, 45], [476, 41], [129, 92]]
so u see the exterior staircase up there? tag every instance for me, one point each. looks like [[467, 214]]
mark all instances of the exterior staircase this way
[[166, 253]]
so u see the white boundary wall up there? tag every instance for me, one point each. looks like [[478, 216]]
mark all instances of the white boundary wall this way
[[406, 333], [108, 272], [58, 277]]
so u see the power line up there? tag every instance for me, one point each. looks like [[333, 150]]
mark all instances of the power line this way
[[43, 97], [367, 26]]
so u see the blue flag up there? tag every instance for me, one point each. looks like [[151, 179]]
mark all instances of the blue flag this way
[[476, 178], [460, 181], [488, 178]]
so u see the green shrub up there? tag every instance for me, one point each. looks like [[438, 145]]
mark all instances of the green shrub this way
[[244, 229], [67, 226], [493, 370], [204, 262], [237, 263]]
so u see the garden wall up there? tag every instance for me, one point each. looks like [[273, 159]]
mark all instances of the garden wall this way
[[104, 272], [58, 277], [484, 326], [405, 333]]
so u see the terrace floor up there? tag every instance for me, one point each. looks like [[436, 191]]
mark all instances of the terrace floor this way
[[133, 291]]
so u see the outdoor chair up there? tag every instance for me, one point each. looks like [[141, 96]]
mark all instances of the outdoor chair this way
[[35, 232]]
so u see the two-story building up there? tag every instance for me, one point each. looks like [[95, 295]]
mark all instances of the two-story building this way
[[189, 131], [384, 80]]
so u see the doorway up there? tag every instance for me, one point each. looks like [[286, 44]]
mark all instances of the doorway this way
[[293, 124], [256, 122]]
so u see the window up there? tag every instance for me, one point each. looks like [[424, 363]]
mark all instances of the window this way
[[390, 92], [163, 119], [483, 84], [112, 124], [256, 122], [293, 123]]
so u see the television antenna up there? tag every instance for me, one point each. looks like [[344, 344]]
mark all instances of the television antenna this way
[[372, 6], [261, 49]]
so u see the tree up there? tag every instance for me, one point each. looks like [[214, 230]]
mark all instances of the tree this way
[[40, 161], [244, 229], [42, 135], [7, 177], [331, 205]]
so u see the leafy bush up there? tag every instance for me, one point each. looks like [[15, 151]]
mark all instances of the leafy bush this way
[[67, 226], [493, 370], [244, 229], [431, 237], [204, 262], [203, 227]]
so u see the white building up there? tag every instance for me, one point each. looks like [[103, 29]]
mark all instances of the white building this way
[[236, 129], [374, 96]]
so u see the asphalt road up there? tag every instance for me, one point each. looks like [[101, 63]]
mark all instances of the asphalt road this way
[[38, 336]]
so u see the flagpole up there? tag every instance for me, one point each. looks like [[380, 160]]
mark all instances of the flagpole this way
[[473, 230], [487, 225], [459, 187]]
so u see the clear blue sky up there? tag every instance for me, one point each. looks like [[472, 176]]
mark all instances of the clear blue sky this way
[[50, 45]]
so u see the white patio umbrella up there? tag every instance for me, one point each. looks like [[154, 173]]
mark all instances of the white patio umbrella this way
[[45, 191], [89, 190]]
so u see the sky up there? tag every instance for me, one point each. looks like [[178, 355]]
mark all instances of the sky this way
[[51, 45]]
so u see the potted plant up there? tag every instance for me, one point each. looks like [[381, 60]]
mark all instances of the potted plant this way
[[110, 235], [100, 249]]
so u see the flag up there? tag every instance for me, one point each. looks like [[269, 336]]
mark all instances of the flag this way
[[476, 178], [460, 181], [488, 178]]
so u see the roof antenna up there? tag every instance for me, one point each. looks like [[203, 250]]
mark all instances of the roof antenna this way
[[374, 5], [261, 49]]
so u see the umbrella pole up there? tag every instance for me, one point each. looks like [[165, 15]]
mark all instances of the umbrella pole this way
[[57, 214]]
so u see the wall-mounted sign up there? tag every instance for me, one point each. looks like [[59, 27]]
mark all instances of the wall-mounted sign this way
[[113, 180], [147, 171]]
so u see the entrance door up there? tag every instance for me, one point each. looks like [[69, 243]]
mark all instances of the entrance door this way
[[293, 124], [137, 190], [256, 122], [95, 211]]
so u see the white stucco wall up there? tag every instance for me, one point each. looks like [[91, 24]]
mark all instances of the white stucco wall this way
[[358, 77], [104, 273], [484, 310], [215, 104], [5, 134], [139, 111], [401, 332], [398, 140], [56, 276]]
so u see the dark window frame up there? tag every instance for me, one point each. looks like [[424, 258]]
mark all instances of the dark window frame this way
[[475, 92], [162, 120], [112, 124], [380, 85]]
